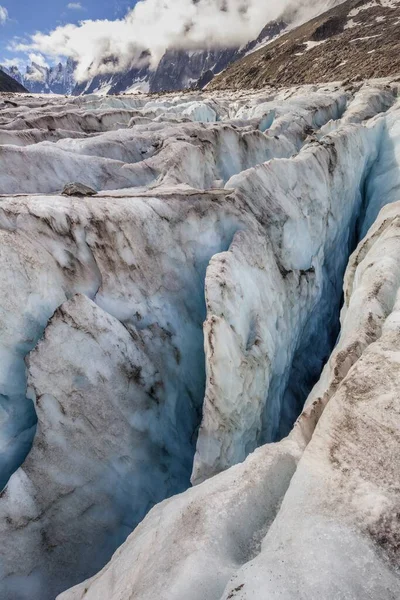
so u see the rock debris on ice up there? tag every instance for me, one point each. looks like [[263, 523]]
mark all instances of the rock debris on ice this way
[[78, 189]]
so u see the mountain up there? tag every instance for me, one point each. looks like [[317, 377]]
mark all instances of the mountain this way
[[9, 84], [182, 69], [178, 69], [39, 79], [135, 79], [357, 39]]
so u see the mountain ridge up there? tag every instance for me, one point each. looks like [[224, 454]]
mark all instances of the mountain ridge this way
[[40, 79], [318, 51], [282, 55]]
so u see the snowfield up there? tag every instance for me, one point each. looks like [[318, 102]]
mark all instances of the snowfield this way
[[183, 414]]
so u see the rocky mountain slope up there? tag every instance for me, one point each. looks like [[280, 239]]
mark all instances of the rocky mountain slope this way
[[8, 84], [358, 39], [184, 68], [179, 328]]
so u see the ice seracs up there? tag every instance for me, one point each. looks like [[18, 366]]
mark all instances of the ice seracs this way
[[157, 307], [166, 328], [275, 347], [337, 531], [226, 516], [316, 512]]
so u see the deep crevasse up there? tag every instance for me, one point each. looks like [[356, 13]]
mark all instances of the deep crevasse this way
[[141, 256], [321, 543], [287, 305]]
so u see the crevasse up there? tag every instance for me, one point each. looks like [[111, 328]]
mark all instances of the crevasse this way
[[116, 282]]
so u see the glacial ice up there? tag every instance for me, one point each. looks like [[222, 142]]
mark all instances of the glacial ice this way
[[335, 534], [173, 326], [277, 353]]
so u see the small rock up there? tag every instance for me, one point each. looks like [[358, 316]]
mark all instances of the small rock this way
[[78, 189]]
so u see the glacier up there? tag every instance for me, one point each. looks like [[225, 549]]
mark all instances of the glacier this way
[[199, 362]]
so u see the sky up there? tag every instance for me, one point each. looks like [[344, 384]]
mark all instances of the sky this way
[[26, 17], [115, 35]]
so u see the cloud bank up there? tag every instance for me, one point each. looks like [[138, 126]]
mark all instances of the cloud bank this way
[[153, 26]]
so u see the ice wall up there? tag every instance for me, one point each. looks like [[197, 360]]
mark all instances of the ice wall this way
[[280, 320], [244, 222], [313, 516]]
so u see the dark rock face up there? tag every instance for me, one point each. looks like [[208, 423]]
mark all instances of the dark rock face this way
[[8, 84], [182, 69], [270, 31], [14, 73], [332, 26]]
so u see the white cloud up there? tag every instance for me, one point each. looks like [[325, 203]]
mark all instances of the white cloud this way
[[13, 62], [35, 75], [75, 6], [3, 15], [38, 59], [156, 25]]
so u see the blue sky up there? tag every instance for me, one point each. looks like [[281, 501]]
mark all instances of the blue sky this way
[[25, 17]]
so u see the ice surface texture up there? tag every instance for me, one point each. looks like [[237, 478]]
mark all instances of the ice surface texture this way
[[165, 328]]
